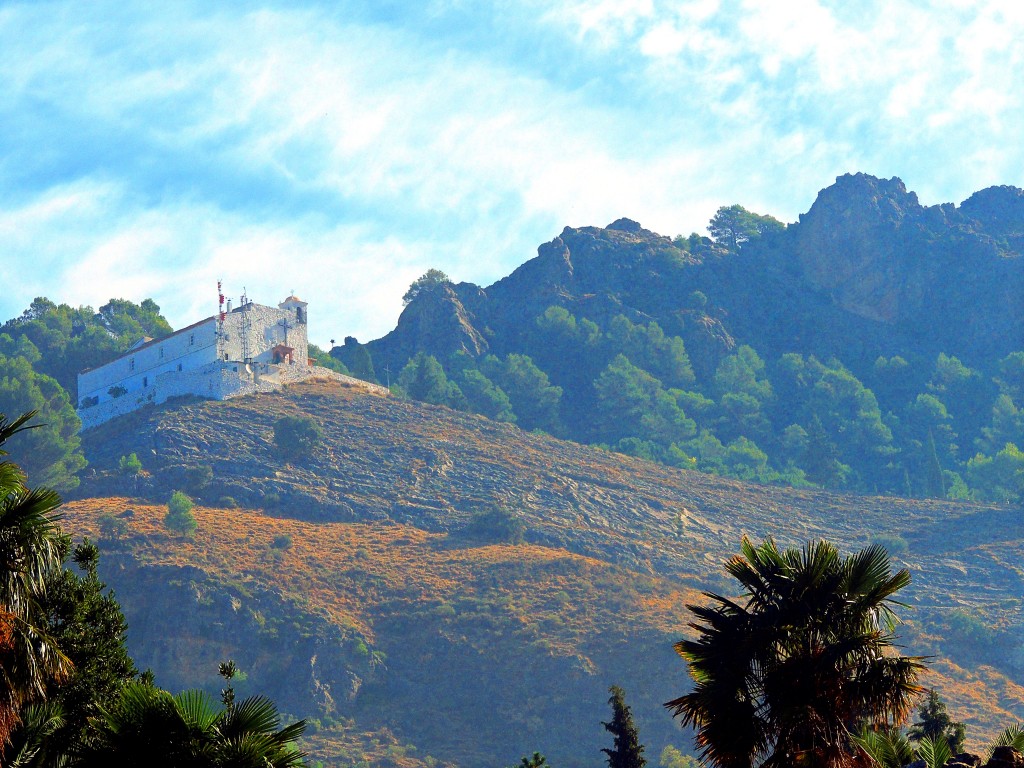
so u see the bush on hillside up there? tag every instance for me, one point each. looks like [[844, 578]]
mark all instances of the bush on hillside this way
[[179, 518], [297, 436], [130, 464], [498, 525]]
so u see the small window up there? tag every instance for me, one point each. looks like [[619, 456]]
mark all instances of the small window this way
[[145, 381], [179, 366], [161, 353], [192, 340], [225, 355], [131, 364]]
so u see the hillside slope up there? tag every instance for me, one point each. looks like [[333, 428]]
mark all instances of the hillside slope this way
[[349, 585]]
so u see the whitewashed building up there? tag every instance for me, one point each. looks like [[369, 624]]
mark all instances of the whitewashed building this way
[[253, 348]]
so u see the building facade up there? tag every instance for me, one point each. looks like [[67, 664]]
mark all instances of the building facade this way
[[253, 348]]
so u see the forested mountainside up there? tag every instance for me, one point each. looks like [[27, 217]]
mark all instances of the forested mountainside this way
[[433, 578], [875, 345]]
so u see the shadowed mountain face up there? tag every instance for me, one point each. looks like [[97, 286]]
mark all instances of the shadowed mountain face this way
[[352, 582], [867, 271]]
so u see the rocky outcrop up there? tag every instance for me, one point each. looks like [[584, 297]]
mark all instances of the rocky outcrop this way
[[184, 622], [934, 273], [867, 271], [596, 273], [1002, 757]]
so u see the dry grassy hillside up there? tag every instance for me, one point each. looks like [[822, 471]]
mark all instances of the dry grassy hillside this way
[[347, 588]]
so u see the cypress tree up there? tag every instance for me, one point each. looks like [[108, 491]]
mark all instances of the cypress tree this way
[[627, 751]]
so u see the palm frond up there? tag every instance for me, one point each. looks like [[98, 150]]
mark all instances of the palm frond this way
[[934, 750], [1013, 736]]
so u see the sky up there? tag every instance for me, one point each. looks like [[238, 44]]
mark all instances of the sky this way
[[338, 150]]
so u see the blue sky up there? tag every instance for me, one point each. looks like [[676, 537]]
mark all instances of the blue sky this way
[[340, 149]]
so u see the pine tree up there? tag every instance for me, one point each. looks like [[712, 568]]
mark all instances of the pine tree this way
[[627, 751], [935, 722]]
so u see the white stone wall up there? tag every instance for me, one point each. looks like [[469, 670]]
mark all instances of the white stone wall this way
[[193, 361], [114, 407], [266, 331], [137, 370], [216, 381]]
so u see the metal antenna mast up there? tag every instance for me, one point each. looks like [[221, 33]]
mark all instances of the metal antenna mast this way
[[221, 315], [246, 329]]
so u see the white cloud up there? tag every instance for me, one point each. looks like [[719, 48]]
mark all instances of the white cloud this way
[[152, 149]]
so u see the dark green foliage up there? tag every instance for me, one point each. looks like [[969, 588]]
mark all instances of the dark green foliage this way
[[284, 541], [627, 751], [934, 722], [130, 464], [497, 525], [31, 553], [424, 379], [783, 672], [196, 478], [650, 349], [71, 340], [179, 518], [50, 452], [112, 528], [893, 545], [1006, 426], [427, 282], [357, 359], [888, 747], [324, 359], [85, 620], [537, 760], [149, 726], [535, 401], [632, 403], [734, 225], [1011, 376], [999, 477], [297, 436], [484, 397]]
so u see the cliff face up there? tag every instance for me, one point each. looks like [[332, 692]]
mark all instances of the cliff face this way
[[934, 273], [183, 621], [867, 271]]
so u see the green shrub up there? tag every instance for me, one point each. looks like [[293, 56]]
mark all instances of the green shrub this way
[[179, 518], [496, 525], [894, 545], [227, 502], [130, 464], [112, 528], [284, 541], [197, 478], [297, 436]]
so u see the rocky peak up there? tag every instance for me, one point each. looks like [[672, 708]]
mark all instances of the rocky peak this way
[[1000, 210], [436, 321], [625, 225], [847, 245]]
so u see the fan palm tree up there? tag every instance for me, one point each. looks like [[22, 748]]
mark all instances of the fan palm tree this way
[[785, 673], [29, 553], [148, 726]]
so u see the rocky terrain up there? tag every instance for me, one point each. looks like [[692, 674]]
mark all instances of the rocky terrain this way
[[867, 271], [349, 586]]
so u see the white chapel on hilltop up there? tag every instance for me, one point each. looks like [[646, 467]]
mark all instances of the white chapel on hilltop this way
[[251, 348]]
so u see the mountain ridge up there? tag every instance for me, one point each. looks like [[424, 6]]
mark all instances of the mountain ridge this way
[[829, 246]]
